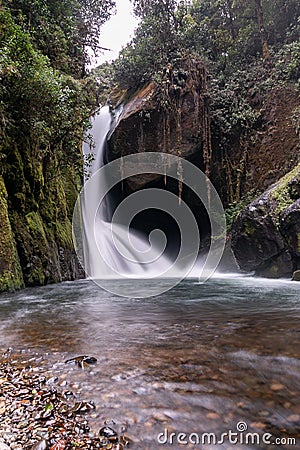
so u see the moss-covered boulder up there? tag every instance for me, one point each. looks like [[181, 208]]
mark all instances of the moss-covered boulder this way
[[266, 234]]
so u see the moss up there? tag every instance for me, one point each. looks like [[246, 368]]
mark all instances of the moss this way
[[63, 233], [34, 175], [72, 187], [274, 270], [39, 248], [11, 276], [281, 193], [249, 229], [36, 277], [36, 228]]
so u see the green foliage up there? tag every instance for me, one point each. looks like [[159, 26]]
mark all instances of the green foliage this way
[[226, 33], [231, 111], [248, 48], [156, 43], [288, 62], [46, 101], [49, 108], [63, 29]]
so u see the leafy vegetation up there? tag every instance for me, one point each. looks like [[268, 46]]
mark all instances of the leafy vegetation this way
[[225, 33], [42, 99], [63, 30]]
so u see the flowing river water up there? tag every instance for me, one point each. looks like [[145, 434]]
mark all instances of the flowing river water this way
[[200, 358]]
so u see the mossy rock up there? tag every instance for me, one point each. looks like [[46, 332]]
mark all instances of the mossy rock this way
[[285, 191], [36, 207], [266, 234]]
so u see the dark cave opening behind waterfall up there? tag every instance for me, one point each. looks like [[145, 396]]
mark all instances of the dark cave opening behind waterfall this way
[[150, 219]]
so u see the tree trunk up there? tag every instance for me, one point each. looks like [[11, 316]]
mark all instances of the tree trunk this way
[[262, 31]]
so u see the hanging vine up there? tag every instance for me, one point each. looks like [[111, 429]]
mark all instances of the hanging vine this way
[[179, 78], [206, 129]]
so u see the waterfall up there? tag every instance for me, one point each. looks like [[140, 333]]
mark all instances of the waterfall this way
[[106, 252], [105, 241]]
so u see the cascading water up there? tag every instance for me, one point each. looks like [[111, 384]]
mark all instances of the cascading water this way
[[111, 250]]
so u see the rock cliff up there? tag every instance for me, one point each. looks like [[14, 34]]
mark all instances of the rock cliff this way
[[36, 208], [166, 117]]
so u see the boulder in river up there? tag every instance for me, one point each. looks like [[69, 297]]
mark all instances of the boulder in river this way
[[266, 234], [296, 275]]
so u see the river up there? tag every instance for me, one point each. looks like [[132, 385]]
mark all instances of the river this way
[[199, 358]]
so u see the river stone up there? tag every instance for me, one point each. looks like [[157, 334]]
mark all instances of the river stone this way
[[82, 361], [296, 276], [42, 445], [279, 266], [4, 446], [109, 434]]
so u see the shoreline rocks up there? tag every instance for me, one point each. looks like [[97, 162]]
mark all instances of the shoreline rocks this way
[[37, 413]]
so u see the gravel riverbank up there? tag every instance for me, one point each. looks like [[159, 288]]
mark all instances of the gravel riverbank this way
[[39, 412]]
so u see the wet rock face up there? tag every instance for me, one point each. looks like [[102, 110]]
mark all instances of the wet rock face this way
[[145, 125], [255, 238], [266, 234], [35, 220]]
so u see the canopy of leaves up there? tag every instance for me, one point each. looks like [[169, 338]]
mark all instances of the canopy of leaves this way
[[223, 32], [63, 29]]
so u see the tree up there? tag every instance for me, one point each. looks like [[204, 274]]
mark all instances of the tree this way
[[63, 30], [261, 29]]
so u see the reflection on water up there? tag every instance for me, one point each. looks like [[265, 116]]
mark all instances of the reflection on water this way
[[200, 358]]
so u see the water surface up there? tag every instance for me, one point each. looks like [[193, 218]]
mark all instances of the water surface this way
[[200, 358]]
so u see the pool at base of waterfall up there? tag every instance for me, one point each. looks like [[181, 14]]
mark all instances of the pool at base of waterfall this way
[[202, 358]]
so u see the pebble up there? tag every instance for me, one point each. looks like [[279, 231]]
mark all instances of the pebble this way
[[258, 425], [294, 418], [213, 416], [277, 387], [160, 417], [109, 434]]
